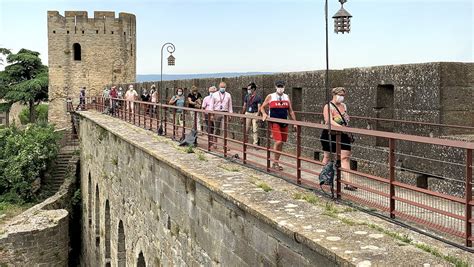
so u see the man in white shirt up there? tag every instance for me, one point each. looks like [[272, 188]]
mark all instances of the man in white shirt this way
[[130, 96], [220, 101]]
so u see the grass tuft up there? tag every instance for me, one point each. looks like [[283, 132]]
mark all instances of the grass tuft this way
[[264, 186]]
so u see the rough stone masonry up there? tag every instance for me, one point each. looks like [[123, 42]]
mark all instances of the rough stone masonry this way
[[146, 201], [87, 52]]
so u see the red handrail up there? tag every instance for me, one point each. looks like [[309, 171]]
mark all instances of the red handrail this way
[[385, 190]]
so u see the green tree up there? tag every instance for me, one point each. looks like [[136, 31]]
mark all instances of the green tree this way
[[25, 155], [41, 114], [25, 79]]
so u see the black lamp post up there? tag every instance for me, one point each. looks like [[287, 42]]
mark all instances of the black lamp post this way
[[342, 24], [171, 62]]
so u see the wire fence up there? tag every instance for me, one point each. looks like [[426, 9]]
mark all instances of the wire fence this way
[[392, 179]]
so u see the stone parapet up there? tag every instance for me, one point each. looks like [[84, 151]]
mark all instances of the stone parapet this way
[[173, 208]]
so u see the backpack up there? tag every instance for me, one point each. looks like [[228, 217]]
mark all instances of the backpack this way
[[326, 176], [190, 139]]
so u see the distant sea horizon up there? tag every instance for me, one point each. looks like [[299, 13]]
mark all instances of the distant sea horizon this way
[[170, 77]]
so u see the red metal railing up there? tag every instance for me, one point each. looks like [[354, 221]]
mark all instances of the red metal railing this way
[[384, 190]]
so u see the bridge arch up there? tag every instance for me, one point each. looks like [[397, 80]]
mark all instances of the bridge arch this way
[[97, 218], [107, 231], [141, 260], [121, 252], [89, 200]]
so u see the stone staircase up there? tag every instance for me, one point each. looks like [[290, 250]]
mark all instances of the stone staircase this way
[[60, 169]]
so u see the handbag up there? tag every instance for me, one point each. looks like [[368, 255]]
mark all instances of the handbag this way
[[351, 136]]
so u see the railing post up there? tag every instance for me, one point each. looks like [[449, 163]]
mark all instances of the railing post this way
[[268, 146], [134, 111], [225, 136], [151, 114], [244, 143], [468, 196], [209, 131], [139, 113], [183, 118], [163, 118], [195, 121], [174, 123], [298, 154], [338, 164], [391, 164]]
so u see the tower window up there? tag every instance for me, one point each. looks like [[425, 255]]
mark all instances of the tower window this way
[[67, 32], [82, 32], [112, 32], [97, 31], [77, 51], [124, 33], [54, 31]]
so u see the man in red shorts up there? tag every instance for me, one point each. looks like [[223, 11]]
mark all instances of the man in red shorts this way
[[279, 106]]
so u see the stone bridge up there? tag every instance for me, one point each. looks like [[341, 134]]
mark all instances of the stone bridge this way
[[148, 202]]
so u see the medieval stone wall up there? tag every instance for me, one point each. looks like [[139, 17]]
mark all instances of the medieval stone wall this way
[[40, 235], [148, 202], [431, 92], [140, 208], [107, 55]]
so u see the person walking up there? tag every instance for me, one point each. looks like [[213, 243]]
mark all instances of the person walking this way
[[82, 99], [279, 108], [195, 101], [131, 96], [251, 106], [113, 98], [221, 101], [179, 101], [145, 97], [339, 120], [106, 96], [154, 97], [206, 105], [120, 93]]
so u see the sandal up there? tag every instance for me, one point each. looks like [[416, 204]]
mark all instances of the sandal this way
[[277, 166]]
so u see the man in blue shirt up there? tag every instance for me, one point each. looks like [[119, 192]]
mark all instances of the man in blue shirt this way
[[252, 103]]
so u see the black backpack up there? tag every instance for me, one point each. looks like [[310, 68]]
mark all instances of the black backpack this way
[[327, 176]]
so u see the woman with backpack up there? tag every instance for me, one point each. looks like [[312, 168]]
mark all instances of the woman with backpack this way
[[339, 120]]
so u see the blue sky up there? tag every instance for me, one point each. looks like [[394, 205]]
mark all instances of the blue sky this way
[[264, 35]]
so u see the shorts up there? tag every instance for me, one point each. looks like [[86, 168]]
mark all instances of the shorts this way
[[179, 119], [279, 133], [345, 141]]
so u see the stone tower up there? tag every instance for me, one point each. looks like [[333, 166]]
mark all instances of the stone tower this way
[[87, 52]]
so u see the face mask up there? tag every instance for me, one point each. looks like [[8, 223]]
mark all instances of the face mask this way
[[222, 90], [180, 93], [249, 92], [280, 90], [210, 93], [340, 99]]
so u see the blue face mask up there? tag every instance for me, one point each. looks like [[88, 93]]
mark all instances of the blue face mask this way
[[222, 90]]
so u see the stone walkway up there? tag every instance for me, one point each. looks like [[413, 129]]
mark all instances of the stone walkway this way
[[350, 236], [362, 197]]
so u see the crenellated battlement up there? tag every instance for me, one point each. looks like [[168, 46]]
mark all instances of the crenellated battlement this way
[[83, 15]]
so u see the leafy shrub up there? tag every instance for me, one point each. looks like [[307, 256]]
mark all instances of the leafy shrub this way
[[41, 114], [25, 155]]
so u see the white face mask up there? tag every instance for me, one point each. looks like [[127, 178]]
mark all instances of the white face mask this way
[[180, 93], [222, 89], [280, 90], [339, 99], [249, 92]]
